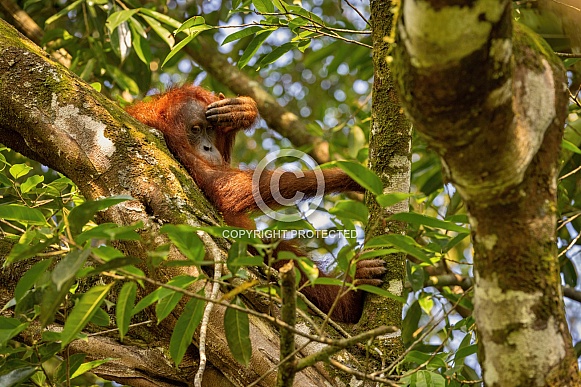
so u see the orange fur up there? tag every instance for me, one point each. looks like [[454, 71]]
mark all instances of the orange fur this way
[[230, 189]]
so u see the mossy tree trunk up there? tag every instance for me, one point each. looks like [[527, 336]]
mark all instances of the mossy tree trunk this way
[[390, 158], [490, 98]]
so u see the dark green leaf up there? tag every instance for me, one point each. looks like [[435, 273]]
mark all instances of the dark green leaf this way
[[403, 242], [381, 292], [10, 327], [63, 11], [253, 47], [17, 376], [68, 267], [182, 281], [237, 329], [419, 219], [29, 278], [83, 312], [178, 47], [350, 209], [361, 175], [182, 335], [242, 34], [125, 303], [82, 214], [186, 239], [276, 53], [389, 200], [140, 43]]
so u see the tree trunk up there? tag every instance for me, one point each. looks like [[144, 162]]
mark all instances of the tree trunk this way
[[491, 99], [390, 158]]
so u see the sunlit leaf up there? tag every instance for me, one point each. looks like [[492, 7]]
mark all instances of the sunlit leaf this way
[[116, 18], [21, 214]]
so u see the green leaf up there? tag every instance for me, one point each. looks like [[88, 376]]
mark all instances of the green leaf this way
[[83, 312], [110, 232], [17, 376], [160, 17], [124, 81], [311, 17], [415, 218], [86, 367], [389, 200], [10, 327], [253, 47], [63, 12], [194, 24], [28, 248], [280, 5], [381, 292], [125, 303], [140, 43], [181, 281], [351, 209], [423, 378], [31, 182], [567, 145], [463, 352], [160, 30], [402, 242], [68, 267], [182, 335], [178, 47], [186, 239], [570, 61], [237, 329], [263, 6], [82, 214], [361, 175], [100, 318], [22, 214], [65, 368], [276, 53], [29, 278], [410, 323], [242, 34], [165, 305], [116, 18], [114, 264]]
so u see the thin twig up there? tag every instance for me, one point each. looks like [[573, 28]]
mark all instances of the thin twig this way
[[358, 13], [206, 318]]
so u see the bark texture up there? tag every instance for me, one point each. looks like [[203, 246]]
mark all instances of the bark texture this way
[[390, 159], [490, 97]]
